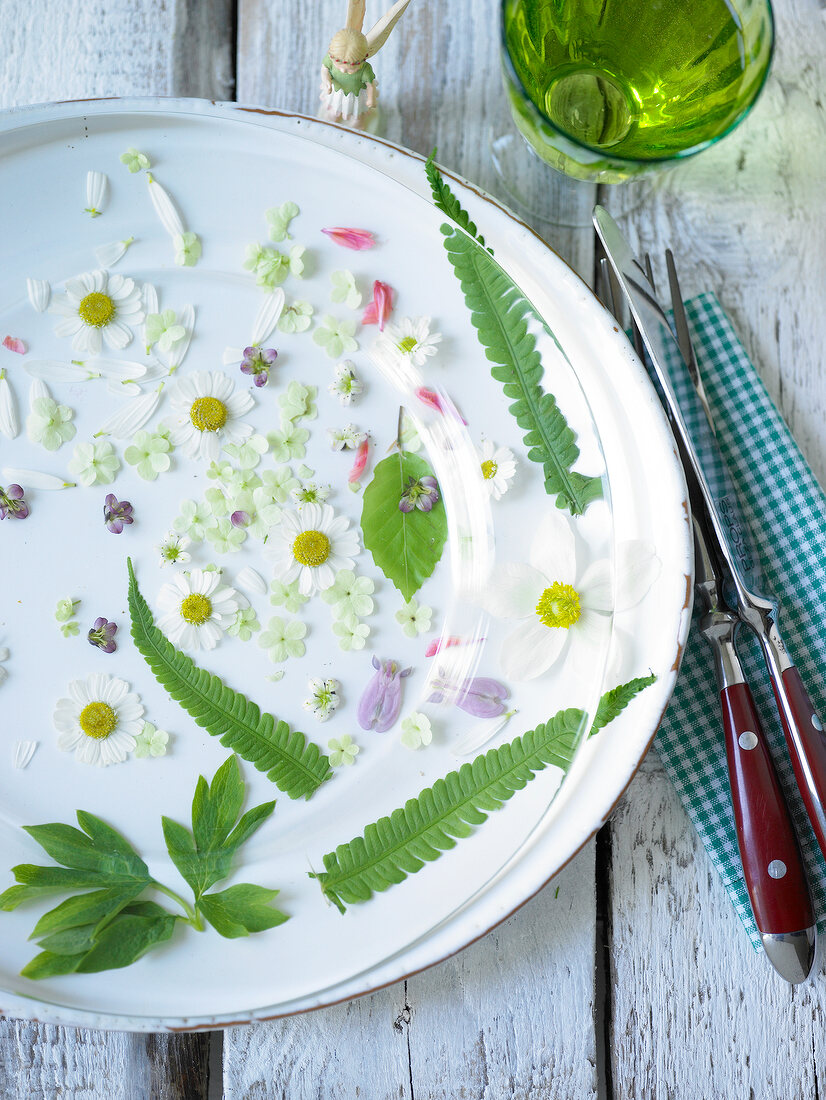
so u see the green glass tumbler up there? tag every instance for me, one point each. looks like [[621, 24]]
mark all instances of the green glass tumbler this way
[[608, 90]]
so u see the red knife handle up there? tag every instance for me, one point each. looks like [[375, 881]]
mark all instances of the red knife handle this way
[[773, 867], [807, 747]]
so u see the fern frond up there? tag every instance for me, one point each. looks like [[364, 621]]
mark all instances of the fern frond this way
[[616, 700], [500, 314], [399, 845], [293, 763], [446, 201]]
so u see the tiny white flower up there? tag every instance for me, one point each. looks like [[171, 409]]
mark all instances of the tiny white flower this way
[[94, 463], [310, 493], [323, 699], [416, 730], [96, 307], [107, 255], [346, 386], [99, 720], [96, 186], [498, 467], [39, 292], [173, 549], [195, 609], [347, 438], [411, 338], [208, 413], [312, 546]]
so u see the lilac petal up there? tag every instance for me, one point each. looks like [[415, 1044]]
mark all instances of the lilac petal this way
[[391, 704], [371, 701], [405, 505], [483, 697], [424, 504]]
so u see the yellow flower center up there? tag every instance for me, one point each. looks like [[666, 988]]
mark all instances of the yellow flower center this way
[[489, 469], [408, 344], [208, 414], [98, 720], [311, 548], [559, 605], [96, 309], [196, 609]]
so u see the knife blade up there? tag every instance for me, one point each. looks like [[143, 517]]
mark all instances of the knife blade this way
[[727, 529]]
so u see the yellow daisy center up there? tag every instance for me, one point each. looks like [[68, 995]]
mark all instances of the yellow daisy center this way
[[98, 720], [489, 469], [407, 344], [196, 609], [311, 548], [208, 414], [559, 605], [96, 309]]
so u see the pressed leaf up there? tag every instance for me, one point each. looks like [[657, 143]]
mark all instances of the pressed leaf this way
[[85, 909], [446, 201], [406, 546], [241, 909], [394, 847], [293, 763], [49, 964], [123, 940]]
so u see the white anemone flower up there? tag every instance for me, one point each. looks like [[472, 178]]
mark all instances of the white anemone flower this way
[[98, 306], [498, 468], [311, 546], [99, 721], [411, 338], [196, 609], [562, 608], [208, 414]]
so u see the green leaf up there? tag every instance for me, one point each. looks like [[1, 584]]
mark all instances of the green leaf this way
[[400, 844], [615, 701], [500, 314], [241, 909], [123, 940], [446, 201], [100, 854], [49, 964], [406, 546], [85, 909], [293, 763], [205, 855]]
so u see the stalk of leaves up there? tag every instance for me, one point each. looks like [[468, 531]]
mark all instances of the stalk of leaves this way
[[500, 313], [394, 847], [294, 764], [406, 546], [112, 924]]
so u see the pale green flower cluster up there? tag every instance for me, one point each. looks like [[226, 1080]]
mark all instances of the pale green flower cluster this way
[[134, 160], [244, 625], [336, 337], [345, 289], [295, 317], [149, 453], [94, 463], [151, 742], [287, 596], [272, 267], [163, 329], [343, 751], [278, 220], [414, 619], [416, 730], [50, 424], [283, 639], [298, 402], [64, 613], [188, 249], [351, 599]]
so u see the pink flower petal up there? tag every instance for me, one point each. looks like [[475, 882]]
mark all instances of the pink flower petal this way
[[357, 239], [378, 310], [438, 645], [361, 461], [13, 344]]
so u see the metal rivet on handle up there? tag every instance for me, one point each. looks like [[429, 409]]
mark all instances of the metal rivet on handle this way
[[818, 725], [777, 868], [747, 739]]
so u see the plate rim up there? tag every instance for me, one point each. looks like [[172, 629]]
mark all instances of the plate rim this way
[[25, 1007]]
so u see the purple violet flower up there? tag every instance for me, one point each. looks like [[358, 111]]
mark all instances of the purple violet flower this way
[[421, 494], [381, 702], [257, 362], [480, 696], [116, 514], [103, 634], [12, 503]]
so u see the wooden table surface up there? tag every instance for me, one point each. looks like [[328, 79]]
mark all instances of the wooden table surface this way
[[629, 975]]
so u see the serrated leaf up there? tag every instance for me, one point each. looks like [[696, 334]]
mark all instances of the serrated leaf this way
[[615, 701], [241, 909], [446, 201], [294, 764], [406, 546]]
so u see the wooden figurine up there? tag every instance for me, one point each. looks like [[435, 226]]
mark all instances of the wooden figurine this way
[[349, 94]]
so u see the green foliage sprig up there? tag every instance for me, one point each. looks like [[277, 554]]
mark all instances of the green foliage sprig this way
[[500, 313], [110, 925], [399, 845], [293, 763]]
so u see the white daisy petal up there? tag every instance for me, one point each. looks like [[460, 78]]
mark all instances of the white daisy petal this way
[[179, 349], [53, 370], [116, 335], [132, 416], [23, 753], [107, 255], [96, 186], [150, 299], [121, 369], [268, 315], [34, 479], [165, 208], [252, 581], [9, 420], [232, 356], [39, 292]]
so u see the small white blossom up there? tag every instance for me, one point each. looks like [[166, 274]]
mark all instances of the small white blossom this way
[[346, 386], [323, 699]]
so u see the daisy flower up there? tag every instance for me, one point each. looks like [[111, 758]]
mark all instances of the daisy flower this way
[[343, 750], [208, 414], [98, 306], [196, 609], [94, 463], [411, 338], [172, 549], [312, 546], [323, 699], [498, 467], [99, 720], [346, 386], [283, 639], [560, 607]]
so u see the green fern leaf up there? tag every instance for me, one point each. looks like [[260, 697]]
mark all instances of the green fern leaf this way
[[446, 201], [500, 314], [293, 763], [399, 845], [617, 700]]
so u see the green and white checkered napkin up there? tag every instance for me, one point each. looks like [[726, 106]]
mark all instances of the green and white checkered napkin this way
[[786, 510]]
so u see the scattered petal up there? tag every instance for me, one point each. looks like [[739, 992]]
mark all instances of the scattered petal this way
[[378, 310], [357, 239], [131, 417], [107, 255], [36, 479], [165, 208], [39, 292], [268, 316], [482, 734], [381, 701], [251, 581], [96, 185], [360, 463], [9, 420], [15, 345], [23, 753], [53, 370]]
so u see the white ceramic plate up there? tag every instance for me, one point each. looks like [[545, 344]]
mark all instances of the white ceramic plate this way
[[225, 166]]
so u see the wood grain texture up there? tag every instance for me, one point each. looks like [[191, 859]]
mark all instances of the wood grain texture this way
[[509, 1018]]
